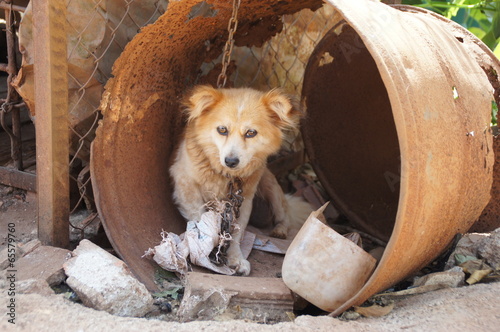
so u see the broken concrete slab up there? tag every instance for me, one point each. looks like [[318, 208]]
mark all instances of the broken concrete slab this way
[[210, 296], [104, 282], [28, 247], [21, 250], [44, 263], [34, 286], [4, 258]]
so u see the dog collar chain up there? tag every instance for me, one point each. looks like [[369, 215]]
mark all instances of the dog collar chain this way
[[229, 214]]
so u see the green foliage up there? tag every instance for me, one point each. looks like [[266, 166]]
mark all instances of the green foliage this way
[[481, 17]]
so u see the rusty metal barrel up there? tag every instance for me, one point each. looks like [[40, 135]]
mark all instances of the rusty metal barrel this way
[[398, 130], [398, 116]]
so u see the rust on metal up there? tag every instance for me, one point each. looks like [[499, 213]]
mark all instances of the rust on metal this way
[[380, 91], [350, 133], [490, 218], [18, 179], [18, 8], [10, 104], [142, 120], [51, 98]]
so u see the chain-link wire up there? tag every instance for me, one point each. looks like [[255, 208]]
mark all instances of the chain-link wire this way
[[281, 61], [98, 32]]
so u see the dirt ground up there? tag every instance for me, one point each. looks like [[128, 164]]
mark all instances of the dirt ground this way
[[18, 207], [473, 308], [466, 308]]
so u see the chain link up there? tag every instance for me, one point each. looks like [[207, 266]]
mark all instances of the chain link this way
[[228, 48], [229, 216]]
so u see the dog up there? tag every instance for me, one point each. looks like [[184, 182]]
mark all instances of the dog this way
[[230, 133]]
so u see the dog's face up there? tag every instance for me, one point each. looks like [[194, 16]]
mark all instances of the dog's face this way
[[238, 129]]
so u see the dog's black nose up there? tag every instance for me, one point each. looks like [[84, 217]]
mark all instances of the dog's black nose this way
[[231, 162]]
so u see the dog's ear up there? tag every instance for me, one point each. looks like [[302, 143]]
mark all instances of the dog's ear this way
[[200, 100], [285, 109]]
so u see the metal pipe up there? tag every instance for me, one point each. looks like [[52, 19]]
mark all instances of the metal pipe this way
[[12, 95], [16, 8]]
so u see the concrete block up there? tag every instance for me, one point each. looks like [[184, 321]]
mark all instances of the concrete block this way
[[210, 296], [28, 247], [34, 286], [104, 282], [44, 263], [21, 250], [4, 259]]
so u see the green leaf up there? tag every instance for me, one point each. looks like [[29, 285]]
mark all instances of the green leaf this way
[[478, 32], [495, 26], [453, 10], [496, 51], [489, 39]]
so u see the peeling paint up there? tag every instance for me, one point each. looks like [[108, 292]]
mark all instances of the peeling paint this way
[[326, 58]]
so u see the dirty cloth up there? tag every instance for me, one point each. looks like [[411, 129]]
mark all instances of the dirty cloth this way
[[199, 240]]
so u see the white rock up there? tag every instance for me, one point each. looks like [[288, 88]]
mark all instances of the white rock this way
[[104, 282]]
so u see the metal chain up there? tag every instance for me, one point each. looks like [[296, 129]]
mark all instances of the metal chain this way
[[228, 48], [234, 196], [229, 215]]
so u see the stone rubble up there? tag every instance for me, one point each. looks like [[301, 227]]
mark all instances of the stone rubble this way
[[104, 282]]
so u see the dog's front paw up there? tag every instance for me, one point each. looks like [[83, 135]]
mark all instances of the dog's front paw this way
[[240, 265], [280, 231]]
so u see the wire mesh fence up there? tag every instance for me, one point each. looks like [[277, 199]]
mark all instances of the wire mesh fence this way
[[98, 31]]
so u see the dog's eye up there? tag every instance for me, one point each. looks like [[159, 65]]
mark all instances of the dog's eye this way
[[222, 130], [250, 133]]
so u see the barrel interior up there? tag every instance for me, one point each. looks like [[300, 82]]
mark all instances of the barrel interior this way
[[350, 134]]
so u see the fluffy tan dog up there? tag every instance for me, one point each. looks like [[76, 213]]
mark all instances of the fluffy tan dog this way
[[231, 133]]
